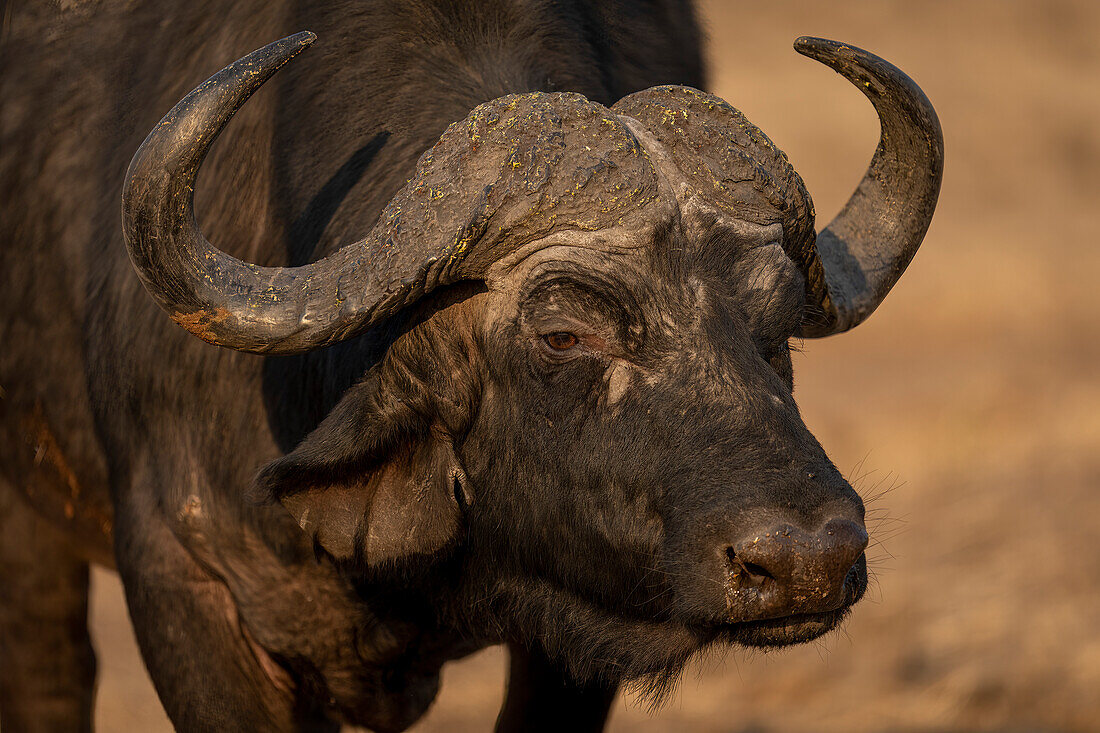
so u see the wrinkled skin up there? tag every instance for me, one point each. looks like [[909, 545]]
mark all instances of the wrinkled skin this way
[[683, 381], [680, 374]]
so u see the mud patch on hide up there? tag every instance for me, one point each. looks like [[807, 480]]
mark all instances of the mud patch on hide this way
[[619, 378], [47, 450], [199, 323], [49, 457]]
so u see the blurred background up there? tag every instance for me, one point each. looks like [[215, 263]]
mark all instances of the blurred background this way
[[967, 410]]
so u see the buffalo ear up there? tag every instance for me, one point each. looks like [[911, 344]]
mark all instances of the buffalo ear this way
[[373, 482]]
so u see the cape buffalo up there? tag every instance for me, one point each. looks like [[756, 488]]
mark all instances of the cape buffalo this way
[[514, 367]]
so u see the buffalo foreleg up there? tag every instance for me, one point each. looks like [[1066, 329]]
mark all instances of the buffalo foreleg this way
[[47, 666], [541, 697], [209, 673]]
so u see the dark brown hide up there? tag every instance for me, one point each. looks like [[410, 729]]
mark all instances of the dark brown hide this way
[[429, 194]]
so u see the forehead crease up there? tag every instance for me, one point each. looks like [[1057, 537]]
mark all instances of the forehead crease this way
[[578, 288], [703, 242], [726, 242]]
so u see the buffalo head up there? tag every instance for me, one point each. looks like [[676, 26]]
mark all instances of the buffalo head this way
[[590, 422]]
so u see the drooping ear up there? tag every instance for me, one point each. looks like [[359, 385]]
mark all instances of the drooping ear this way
[[375, 481]]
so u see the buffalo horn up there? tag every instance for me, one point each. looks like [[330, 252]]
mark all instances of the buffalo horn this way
[[865, 249], [220, 299], [515, 170]]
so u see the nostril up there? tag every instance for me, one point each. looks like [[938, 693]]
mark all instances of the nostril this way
[[746, 571], [755, 569]]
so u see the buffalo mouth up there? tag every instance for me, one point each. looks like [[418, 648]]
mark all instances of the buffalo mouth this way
[[798, 628]]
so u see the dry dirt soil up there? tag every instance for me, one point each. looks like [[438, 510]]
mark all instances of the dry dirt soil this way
[[967, 409]]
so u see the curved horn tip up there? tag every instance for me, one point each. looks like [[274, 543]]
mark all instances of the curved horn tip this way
[[159, 229], [289, 47], [865, 249], [282, 50], [812, 46], [833, 53], [302, 38]]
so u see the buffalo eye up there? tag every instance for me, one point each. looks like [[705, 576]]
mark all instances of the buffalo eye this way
[[560, 340]]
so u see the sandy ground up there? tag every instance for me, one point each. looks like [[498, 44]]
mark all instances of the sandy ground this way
[[971, 398]]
